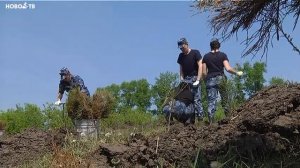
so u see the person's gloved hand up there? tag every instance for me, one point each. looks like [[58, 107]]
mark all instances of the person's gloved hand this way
[[239, 73], [58, 102], [196, 83]]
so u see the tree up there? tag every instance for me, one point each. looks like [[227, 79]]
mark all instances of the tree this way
[[265, 17], [135, 94], [114, 89], [162, 87], [132, 94], [235, 87], [254, 77]]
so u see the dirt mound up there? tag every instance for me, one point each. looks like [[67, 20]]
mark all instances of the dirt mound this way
[[267, 124], [27, 146]]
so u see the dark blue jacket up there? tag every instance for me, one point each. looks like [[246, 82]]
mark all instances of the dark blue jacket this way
[[76, 81]]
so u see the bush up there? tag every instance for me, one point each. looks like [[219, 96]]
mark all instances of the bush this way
[[79, 106], [23, 117], [102, 103]]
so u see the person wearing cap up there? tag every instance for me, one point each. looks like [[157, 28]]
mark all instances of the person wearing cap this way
[[69, 82], [190, 61], [214, 63]]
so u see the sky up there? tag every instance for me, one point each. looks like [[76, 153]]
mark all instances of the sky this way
[[108, 42]]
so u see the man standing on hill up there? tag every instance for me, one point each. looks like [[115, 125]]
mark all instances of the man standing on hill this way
[[69, 82], [190, 61], [214, 63]]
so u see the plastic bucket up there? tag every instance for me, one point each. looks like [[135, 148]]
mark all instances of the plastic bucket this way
[[87, 127]]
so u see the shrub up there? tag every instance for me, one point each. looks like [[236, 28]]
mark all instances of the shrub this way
[[22, 117], [102, 103], [79, 106]]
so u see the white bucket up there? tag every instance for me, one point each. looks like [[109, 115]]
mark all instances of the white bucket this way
[[87, 127]]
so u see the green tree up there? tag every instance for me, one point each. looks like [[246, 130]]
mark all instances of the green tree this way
[[161, 90], [261, 19], [254, 77], [135, 94], [235, 88]]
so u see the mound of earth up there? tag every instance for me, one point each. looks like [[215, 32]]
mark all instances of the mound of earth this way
[[267, 124], [27, 146]]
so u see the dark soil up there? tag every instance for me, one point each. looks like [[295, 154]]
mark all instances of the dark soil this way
[[27, 146], [266, 126]]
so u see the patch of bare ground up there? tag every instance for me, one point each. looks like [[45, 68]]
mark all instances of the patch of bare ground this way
[[268, 124]]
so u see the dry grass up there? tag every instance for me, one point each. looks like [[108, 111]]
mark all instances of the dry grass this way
[[64, 158]]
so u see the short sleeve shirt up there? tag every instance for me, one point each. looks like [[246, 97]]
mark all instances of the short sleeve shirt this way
[[214, 63], [189, 62]]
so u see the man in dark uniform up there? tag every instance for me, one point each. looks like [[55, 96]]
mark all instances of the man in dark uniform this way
[[214, 63], [190, 61], [69, 82]]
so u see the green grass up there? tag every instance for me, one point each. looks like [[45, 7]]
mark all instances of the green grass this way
[[118, 127], [128, 118]]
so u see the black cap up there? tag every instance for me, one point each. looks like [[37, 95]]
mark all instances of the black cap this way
[[182, 41]]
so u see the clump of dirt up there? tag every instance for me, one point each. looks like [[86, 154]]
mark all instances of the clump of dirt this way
[[267, 124], [27, 146]]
